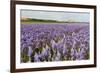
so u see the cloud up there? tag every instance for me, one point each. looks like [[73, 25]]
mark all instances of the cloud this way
[[58, 15]]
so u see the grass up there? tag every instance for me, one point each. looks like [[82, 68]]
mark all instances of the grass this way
[[35, 22]]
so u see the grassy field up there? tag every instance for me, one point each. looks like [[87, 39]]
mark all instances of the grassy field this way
[[36, 22], [32, 21], [41, 21]]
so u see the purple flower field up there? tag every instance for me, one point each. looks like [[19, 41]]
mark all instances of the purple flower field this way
[[54, 42]]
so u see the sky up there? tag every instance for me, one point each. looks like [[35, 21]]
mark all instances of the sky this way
[[56, 15]]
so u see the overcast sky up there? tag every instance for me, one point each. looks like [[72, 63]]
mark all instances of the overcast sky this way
[[56, 15]]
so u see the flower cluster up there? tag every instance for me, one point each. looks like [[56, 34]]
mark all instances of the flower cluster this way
[[54, 42]]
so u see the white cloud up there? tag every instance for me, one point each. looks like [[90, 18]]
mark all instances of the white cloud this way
[[58, 15]]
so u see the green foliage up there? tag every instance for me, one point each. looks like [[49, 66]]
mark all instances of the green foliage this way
[[24, 57], [87, 56], [30, 20]]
